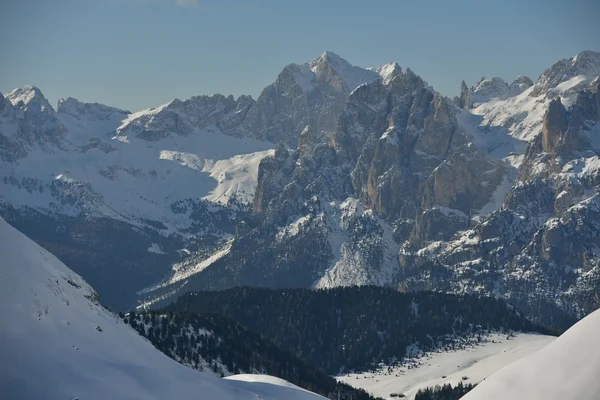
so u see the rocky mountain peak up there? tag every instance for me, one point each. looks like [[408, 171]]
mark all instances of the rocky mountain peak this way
[[387, 71], [488, 89], [577, 71], [186, 116], [520, 84], [331, 68], [77, 108], [5, 104], [329, 58], [30, 99]]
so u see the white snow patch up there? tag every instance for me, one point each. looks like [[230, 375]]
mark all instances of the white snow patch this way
[[155, 248], [150, 176], [497, 198], [566, 369], [476, 363], [191, 267]]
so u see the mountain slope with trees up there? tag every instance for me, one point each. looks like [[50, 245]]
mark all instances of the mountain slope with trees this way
[[357, 328], [216, 343]]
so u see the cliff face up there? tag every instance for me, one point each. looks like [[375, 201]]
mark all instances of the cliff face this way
[[540, 249], [399, 168]]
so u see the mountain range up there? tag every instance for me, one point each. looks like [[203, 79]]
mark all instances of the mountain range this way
[[336, 175]]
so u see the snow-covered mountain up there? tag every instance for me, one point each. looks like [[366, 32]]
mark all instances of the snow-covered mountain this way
[[399, 168], [168, 181], [310, 94], [136, 188], [538, 246], [57, 342], [415, 190], [566, 369], [335, 175]]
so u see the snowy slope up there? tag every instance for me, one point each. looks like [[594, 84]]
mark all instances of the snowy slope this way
[[475, 363], [351, 76], [387, 71], [505, 118], [566, 369], [125, 177], [60, 344]]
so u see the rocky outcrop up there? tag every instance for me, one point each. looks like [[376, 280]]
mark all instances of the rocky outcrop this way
[[491, 88], [463, 101], [185, 117], [585, 64], [272, 173], [554, 125], [31, 122], [520, 84], [312, 94]]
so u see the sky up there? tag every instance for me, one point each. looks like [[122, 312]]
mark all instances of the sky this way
[[137, 54]]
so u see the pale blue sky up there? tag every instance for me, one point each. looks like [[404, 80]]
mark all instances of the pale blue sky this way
[[141, 53]]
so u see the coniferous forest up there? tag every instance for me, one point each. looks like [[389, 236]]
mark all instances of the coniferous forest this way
[[217, 343], [445, 392], [358, 328]]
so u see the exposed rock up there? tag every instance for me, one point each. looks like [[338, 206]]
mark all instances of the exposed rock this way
[[491, 88], [271, 177], [184, 117], [585, 64], [554, 125], [312, 94], [463, 101], [520, 84], [398, 157]]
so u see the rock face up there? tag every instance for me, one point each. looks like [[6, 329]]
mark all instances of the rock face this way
[[584, 65], [540, 250], [408, 192], [166, 183], [399, 168], [519, 85], [185, 117], [311, 94], [492, 88], [34, 119], [554, 125]]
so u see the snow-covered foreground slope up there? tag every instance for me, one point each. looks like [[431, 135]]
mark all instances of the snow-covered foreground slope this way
[[56, 342], [566, 369], [475, 363]]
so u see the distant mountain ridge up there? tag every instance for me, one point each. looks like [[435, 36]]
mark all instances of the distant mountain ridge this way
[[335, 175]]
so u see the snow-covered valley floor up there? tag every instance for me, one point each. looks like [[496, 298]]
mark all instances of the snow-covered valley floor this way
[[474, 363]]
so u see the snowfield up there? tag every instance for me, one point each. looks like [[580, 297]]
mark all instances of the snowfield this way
[[475, 363], [102, 169], [57, 342], [567, 369]]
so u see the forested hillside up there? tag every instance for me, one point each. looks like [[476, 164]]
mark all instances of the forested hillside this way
[[216, 343], [357, 328]]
